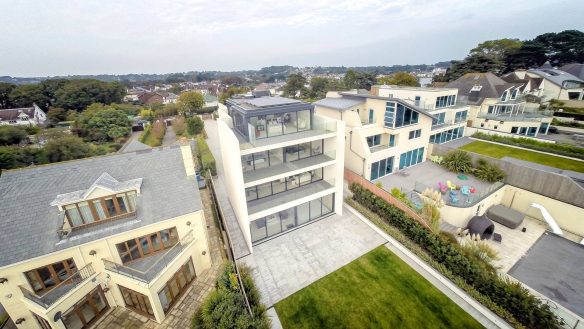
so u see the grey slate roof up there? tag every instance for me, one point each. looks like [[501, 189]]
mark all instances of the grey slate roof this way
[[575, 69], [29, 224], [557, 77], [491, 86], [136, 146], [343, 103]]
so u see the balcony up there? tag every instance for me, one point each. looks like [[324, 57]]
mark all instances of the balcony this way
[[50, 297], [148, 268], [65, 230], [513, 117], [320, 126], [288, 196], [287, 167]]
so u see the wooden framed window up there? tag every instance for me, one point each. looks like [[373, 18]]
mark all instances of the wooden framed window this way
[[176, 286], [137, 301], [87, 311], [45, 278], [41, 321], [143, 246], [95, 210]]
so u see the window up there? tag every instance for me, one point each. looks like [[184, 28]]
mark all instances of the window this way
[[391, 140], [482, 125], [389, 114], [381, 168], [491, 109], [411, 158], [439, 119], [514, 130], [282, 185], [45, 278], [275, 157], [415, 133], [522, 130], [87, 212], [447, 136], [176, 286], [137, 301], [374, 140], [460, 116], [543, 128], [134, 249], [444, 101], [405, 116], [514, 94], [371, 116], [504, 96], [532, 131]]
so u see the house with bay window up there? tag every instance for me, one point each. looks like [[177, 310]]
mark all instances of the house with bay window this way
[[283, 162], [85, 236], [384, 134], [500, 107]]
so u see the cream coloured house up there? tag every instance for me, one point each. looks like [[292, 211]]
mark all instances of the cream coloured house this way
[[284, 164], [82, 237]]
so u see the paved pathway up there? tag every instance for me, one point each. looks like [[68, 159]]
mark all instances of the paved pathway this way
[[292, 261], [134, 136], [169, 137]]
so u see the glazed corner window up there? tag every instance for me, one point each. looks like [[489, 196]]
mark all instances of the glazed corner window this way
[[87, 212], [143, 246], [46, 277]]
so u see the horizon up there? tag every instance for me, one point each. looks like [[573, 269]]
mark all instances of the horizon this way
[[89, 38]]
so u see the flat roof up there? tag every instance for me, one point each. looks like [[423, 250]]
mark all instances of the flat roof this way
[[29, 224], [554, 266], [415, 88]]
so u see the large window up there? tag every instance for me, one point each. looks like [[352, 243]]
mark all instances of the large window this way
[[389, 114], [460, 116], [411, 158], [405, 116], [87, 311], [272, 125], [439, 119], [447, 136], [260, 160], [110, 207], [137, 301], [176, 286], [45, 278], [444, 101], [381, 168], [145, 245], [283, 184], [415, 134], [288, 219], [374, 140]]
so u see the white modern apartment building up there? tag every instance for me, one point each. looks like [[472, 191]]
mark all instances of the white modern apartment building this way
[[283, 164], [389, 129]]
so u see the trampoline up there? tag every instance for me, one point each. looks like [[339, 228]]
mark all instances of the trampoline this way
[[482, 226]]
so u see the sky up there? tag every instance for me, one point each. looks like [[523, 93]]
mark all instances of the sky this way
[[70, 37]]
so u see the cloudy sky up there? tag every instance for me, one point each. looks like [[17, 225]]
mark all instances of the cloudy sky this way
[[54, 37]]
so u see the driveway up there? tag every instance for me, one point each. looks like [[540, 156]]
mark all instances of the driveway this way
[[290, 262]]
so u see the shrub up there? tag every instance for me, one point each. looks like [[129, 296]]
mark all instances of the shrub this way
[[458, 161], [489, 172], [499, 293], [379, 184], [194, 125], [179, 126], [153, 134], [12, 135], [205, 156], [402, 197], [225, 307]]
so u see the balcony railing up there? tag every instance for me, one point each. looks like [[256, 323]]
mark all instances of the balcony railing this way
[[151, 266], [320, 125], [50, 297], [513, 117], [64, 231]]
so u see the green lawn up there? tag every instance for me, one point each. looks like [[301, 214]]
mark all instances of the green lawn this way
[[377, 290], [499, 151]]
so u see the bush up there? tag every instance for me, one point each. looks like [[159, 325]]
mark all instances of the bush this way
[[226, 308], [12, 135], [153, 134], [179, 126], [458, 161], [205, 156], [489, 172], [561, 149], [194, 125], [506, 298]]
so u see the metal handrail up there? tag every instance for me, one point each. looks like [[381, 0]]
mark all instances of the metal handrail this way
[[64, 232], [50, 297], [144, 275]]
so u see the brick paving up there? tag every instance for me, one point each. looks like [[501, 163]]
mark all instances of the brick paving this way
[[181, 314]]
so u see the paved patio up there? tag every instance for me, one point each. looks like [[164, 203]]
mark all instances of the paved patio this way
[[290, 262]]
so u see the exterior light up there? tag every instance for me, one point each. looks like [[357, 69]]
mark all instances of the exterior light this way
[[57, 316], [19, 321], [204, 252], [188, 223], [92, 253], [3, 280]]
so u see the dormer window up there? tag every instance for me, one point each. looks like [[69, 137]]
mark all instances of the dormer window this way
[[514, 94], [106, 199], [504, 96]]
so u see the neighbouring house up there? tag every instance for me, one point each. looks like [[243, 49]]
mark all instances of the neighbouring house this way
[[210, 100], [548, 83], [31, 116], [386, 133], [132, 94], [82, 237], [161, 97], [283, 162], [500, 107], [575, 69]]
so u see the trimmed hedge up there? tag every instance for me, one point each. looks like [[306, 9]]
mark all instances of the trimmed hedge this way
[[510, 296], [561, 149], [205, 156]]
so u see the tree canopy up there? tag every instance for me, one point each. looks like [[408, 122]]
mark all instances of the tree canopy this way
[[191, 101], [294, 85], [359, 80], [399, 79], [100, 123]]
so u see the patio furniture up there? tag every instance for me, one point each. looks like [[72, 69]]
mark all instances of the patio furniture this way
[[462, 177], [497, 237], [482, 226], [465, 190], [454, 199], [442, 187], [473, 189], [450, 185], [505, 216]]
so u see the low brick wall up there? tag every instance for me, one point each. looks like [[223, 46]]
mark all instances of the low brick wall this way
[[352, 177]]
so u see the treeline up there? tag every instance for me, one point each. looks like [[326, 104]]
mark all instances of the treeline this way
[[61, 93], [506, 55]]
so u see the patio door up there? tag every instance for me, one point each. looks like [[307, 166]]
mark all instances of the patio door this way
[[86, 311], [137, 302]]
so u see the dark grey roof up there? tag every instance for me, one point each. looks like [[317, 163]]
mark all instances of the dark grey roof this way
[[266, 105], [475, 87], [554, 266], [29, 224], [575, 69], [135, 146], [342, 103], [557, 77], [260, 93]]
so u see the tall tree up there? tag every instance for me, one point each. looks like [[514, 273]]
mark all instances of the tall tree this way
[[473, 63], [5, 90], [399, 79], [359, 80], [294, 85], [191, 101], [26, 95], [497, 49], [230, 92], [78, 94], [318, 87]]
